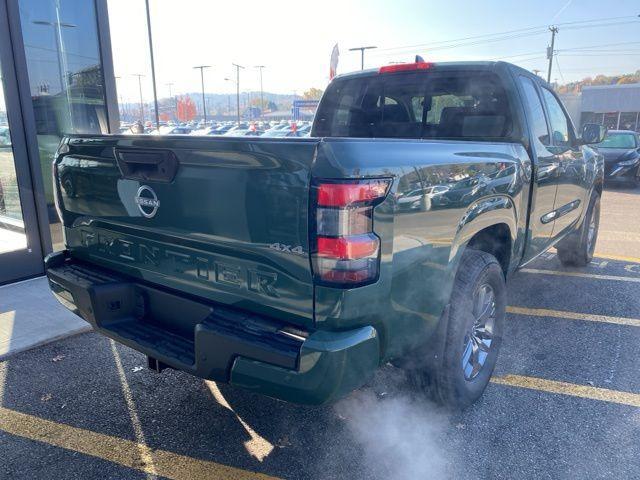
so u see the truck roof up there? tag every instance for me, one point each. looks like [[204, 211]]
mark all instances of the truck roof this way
[[479, 65]]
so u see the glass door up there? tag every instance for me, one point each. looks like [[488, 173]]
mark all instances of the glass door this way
[[20, 249]]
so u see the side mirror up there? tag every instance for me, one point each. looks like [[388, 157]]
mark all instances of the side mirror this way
[[592, 133]]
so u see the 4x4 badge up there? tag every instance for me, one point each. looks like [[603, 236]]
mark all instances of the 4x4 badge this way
[[281, 247]]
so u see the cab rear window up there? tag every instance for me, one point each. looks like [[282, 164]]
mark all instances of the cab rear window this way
[[447, 105]]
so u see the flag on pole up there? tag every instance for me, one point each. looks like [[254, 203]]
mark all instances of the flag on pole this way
[[334, 62]]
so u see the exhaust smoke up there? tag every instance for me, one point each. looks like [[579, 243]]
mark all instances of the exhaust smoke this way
[[402, 435]]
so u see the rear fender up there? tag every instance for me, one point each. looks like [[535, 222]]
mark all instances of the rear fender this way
[[483, 214]]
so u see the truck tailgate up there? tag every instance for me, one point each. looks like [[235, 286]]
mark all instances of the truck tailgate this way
[[220, 219]]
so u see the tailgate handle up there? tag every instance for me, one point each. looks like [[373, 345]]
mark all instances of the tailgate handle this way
[[154, 164]]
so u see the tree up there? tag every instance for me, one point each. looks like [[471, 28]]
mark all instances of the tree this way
[[313, 94], [272, 106], [601, 80], [627, 79], [186, 109], [576, 87]]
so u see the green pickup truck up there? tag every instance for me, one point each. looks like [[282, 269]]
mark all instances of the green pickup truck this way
[[296, 267]]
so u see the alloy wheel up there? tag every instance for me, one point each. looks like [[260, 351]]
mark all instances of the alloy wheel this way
[[478, 341]]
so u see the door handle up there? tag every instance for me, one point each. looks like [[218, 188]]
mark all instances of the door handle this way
[[147, 165]]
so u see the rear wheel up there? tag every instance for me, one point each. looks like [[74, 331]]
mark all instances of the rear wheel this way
[[474, 333], [578, 248]]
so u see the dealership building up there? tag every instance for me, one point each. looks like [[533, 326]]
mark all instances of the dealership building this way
[[617, 107], [57, 78]]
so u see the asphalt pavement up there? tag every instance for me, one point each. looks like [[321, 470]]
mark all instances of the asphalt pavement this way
[[564, 401]]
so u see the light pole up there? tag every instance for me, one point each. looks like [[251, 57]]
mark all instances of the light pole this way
[[228, 96], [294, 111], [139, 75], [550, 52], [121, 103], [153, 66], [238, 67], [362, 49], [57, 33], [204, 104], [175, 105], [260, 67]]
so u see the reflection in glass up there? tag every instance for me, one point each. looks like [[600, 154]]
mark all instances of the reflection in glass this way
[[629, 121], [610, 121], [65, 77], [12, 233]]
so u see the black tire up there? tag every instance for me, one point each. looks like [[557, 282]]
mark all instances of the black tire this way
[[453, 383], [576, 250]]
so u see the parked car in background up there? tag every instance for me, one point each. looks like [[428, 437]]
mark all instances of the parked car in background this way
[[205, 131], [5, 136], [277, 127], [235, 129], [621, 151], [244, 130], [282, 132], [221, 130], [173, 130], [304, 130], [423, 199]]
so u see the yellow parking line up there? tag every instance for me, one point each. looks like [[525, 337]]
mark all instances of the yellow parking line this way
[[588, 317], [581, 275], [117, 450], [564, 388], [622, 258]]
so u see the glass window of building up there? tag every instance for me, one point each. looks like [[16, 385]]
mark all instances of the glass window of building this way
[[65, 78], [12, 231], [628, 120], [610, 120], [591, 117]]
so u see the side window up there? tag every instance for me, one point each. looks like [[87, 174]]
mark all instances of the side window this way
[[557, 119], [539, 128]]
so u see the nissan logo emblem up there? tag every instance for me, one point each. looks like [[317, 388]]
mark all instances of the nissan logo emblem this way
[[147, 201]]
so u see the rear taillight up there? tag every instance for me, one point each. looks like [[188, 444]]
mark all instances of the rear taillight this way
[[345, 251]]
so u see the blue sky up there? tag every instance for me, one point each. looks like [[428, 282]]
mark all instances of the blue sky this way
[[294, 39]]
